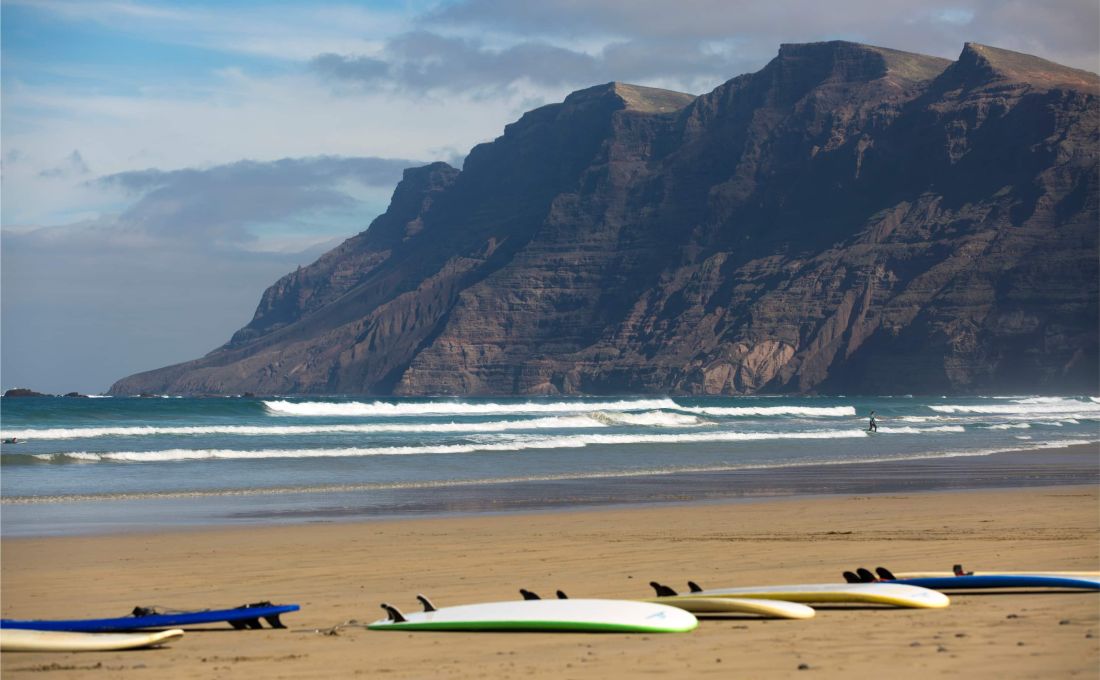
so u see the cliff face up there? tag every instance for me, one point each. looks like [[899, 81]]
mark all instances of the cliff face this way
[[848, 219]]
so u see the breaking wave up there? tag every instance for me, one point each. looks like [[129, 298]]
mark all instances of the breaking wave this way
[[514, 445], [920, 430], [812, 411], [586, 421], [454, 408], [1043, 406]]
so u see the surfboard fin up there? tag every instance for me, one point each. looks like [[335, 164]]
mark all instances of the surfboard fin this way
[[662, 590], [428, 606], [865, 576], [885, 574], [694, 587], [274, 621], [562, 596], [958, 569], [850, 577], [394, 613], [528, 595], [241, 624]]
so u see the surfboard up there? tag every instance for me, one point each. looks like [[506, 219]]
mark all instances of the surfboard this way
[[777, 609], [579, 615], [23, 640], [976, 581], [247, 616], [998, 572], [889, 594]]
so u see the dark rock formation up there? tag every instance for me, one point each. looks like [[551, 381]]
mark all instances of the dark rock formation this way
[[19, 392], [848, 219]]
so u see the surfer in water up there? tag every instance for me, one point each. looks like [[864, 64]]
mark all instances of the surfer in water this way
[[873, 425]]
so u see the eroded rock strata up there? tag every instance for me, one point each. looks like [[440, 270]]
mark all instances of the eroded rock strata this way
[[848, 219]]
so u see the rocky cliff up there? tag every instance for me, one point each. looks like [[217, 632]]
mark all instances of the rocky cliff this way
[[848, 219]]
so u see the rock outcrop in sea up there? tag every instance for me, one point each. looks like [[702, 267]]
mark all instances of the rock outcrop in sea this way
[[849, 219]]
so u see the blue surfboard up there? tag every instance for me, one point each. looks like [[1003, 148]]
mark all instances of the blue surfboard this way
[[1002, 581], [247, 616]]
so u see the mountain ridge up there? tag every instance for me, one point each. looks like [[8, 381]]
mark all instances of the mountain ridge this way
[[847, 218]]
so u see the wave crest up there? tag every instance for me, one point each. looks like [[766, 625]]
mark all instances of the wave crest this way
[[530, 442], [444, 408], [811, 411]]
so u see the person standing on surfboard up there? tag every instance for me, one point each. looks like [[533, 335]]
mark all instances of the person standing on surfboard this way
[[873, 426]]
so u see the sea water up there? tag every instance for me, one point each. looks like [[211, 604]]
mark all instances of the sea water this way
[[290, 452]]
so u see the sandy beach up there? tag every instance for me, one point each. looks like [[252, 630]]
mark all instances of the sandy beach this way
[[341, 571]]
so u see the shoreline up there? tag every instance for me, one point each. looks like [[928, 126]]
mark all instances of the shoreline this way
[[338, 571], [1074, 465]]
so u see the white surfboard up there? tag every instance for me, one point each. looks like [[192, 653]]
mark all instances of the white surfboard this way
[[776, 609], [580, 615], [890, 594], [22, 640]]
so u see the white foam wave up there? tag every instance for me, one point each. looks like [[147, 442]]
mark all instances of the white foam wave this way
[[812, 411], [648, 419], [443, 408], [586, 421], [1008, 426], [555, 422], [513, 445], [1029, 406], [920, 430]]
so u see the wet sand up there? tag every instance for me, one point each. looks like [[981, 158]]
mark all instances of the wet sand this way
[[160, 512], [340, 571]]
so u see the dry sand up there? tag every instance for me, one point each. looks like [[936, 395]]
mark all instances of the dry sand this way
[[343, 571]]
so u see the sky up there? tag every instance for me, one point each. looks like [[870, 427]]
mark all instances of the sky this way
[[164, 162]]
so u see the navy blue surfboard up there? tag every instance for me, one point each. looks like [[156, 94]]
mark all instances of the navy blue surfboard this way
[[247, 616], [978, 582]]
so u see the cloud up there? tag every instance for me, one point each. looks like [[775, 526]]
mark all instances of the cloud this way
[[424, 61], [72, 165], [223, 205]]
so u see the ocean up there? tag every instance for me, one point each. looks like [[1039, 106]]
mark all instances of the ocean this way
[[103, 464]]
